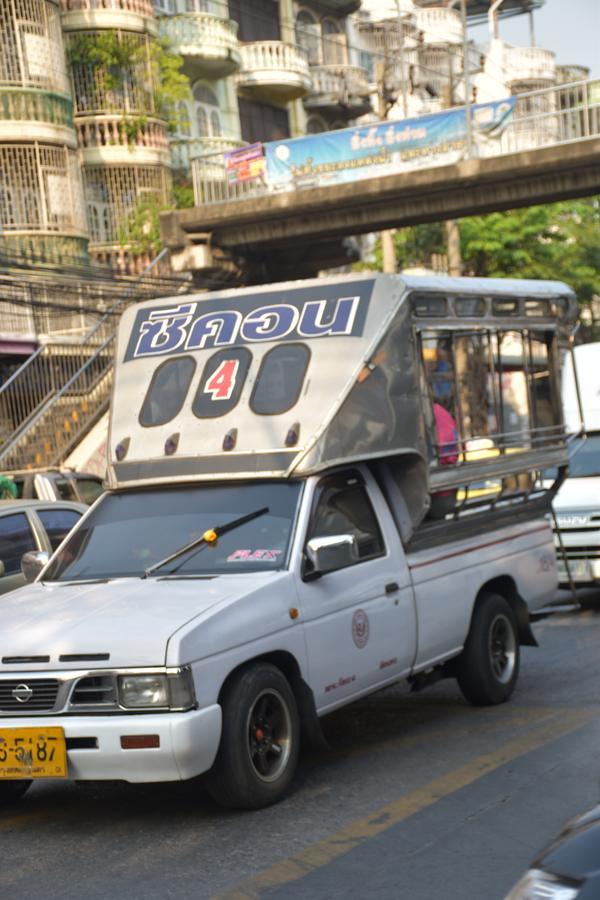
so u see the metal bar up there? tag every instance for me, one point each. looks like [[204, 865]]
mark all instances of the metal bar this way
[[564, 556]]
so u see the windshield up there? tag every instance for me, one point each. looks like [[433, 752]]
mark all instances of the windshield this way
[[126, 533], [584, 457]]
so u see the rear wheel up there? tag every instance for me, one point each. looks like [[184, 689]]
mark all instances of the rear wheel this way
[[488, 667], [11, 791], [259, 746]]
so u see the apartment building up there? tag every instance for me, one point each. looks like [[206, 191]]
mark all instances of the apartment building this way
[[42, 213]]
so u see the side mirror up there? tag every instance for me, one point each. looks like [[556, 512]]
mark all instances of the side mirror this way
[[2, 569], [329, 553], [32, 564]]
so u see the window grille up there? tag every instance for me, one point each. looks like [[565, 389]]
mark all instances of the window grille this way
[[112, 193], [31, 45], [40, 189], [133, 95]]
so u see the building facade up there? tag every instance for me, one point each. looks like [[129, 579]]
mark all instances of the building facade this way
[[42, 214], [121, 134]]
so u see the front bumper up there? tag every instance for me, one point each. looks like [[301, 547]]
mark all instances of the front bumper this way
[[188, 744], [583, 570]]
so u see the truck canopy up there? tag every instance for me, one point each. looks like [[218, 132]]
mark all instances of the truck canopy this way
[[288, 379]]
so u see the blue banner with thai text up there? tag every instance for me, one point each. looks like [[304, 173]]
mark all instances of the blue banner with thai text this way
[[381, 149]]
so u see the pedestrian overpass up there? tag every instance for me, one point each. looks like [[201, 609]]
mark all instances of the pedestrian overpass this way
[[550, 151]]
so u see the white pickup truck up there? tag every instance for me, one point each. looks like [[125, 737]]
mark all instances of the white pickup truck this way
[[240, 579]]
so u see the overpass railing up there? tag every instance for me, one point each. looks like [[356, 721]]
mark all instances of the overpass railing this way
[[542, 118]]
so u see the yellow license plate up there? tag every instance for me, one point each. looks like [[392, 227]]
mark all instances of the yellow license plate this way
[[32, 753]]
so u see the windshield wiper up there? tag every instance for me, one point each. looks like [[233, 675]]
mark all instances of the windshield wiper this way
[[199, 542]]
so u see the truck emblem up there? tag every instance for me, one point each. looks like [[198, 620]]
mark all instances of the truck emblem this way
[[360, 628], [22, 693]]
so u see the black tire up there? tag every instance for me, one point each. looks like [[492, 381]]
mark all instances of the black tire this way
[[260, 739], [488, 667], [11, 791]]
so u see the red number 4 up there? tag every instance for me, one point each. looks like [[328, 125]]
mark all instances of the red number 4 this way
[[222, 382]]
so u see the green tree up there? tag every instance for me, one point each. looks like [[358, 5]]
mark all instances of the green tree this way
[[558, 241]]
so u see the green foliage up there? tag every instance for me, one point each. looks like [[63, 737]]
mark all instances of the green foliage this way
[[170, 84], [183, 193], [141, 230], [133, 77], [557, 241]]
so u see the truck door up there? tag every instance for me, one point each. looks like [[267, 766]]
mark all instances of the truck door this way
[[359, 620]]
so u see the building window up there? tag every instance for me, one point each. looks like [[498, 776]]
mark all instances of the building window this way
[[315, 125], [258, 20], [262, 122], [334, 43], [208, 117], [308, 36]]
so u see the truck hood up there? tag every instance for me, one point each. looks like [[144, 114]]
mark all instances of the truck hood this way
[[129, 619], [578, 494]]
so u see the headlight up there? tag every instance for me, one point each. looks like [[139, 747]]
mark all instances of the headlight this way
[[538, 885], [174, 691], [138, 691]]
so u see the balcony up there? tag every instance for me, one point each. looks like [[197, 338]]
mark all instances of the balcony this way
[[530, 65], [184, 150], [341, 89], [208, 44], [440, 25], [36, 115], [274, 70], [109, 139], [131, 15]]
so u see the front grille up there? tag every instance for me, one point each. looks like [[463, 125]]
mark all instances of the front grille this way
[[94, 690], [43, 696]]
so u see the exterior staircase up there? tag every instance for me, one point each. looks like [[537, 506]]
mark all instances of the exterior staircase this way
[[51, 402]]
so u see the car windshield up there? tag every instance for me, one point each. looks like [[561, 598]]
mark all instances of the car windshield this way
[[584, 457], [126, 533]]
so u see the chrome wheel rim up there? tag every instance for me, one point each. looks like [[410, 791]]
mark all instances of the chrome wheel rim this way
[[269, 735], [502, 649]]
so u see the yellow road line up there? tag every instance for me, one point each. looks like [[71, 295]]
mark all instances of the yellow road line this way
[[367, 827]]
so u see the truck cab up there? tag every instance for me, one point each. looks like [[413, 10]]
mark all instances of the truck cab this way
[[286, 528]]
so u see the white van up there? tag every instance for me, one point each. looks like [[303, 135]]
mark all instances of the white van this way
[[292, 521]]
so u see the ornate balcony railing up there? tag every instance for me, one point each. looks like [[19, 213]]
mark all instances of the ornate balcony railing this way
[[530, 64], [275, 67], [184, 150], [112, 131], [208, 43], [30, 105], [343, 86], [140, 7], [440, 25]]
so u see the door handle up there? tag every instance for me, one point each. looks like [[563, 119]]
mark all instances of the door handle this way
[[392, 587]]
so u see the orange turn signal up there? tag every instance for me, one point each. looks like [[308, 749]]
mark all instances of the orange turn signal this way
[[139, 741]]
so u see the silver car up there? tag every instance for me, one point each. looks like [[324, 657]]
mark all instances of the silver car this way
[[27, 525]]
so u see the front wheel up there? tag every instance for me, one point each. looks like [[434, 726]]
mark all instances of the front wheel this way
[[488, 667], [11, 791], [259, 746]]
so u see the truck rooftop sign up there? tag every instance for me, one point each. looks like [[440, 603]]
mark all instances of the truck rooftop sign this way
[[290, 378]]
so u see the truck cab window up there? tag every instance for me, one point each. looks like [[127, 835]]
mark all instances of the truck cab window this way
[[344, 507]]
